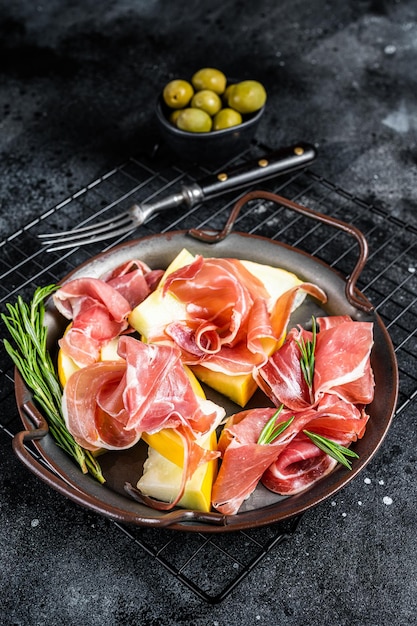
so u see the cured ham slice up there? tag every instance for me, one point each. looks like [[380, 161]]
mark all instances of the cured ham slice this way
[[231, 322], [290, 463], [110, 403], [220, 293], [342, 365], [99, 308], [93, 408], [298, 467], [244, 460], [302, 463], [134, 280]]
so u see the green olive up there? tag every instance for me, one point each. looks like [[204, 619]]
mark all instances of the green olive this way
[[174, 116], [194, 120], [227, 91], [209, 78], [177, 93], [207, 100], [247, 96], [226, 118]]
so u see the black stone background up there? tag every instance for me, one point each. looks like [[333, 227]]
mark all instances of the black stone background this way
[[77, 84]]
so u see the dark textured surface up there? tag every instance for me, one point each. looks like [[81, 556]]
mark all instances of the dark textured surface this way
[[78, 81]]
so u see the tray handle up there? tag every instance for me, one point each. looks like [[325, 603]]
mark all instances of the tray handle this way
[[84, 499], [19, 445], [352, 293]]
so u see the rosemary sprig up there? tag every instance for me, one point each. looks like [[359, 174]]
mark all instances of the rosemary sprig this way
[[272, 430], [307, 360], [25, 323], [333, 449]]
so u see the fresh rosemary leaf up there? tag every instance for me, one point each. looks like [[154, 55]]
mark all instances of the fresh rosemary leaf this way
[[307, 359], [272, 430], [333, 449], [28, 351]]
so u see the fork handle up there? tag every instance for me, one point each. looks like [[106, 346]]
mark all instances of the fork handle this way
[[279, 162]]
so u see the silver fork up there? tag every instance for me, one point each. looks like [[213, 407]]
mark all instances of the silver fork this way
[[280, 162]]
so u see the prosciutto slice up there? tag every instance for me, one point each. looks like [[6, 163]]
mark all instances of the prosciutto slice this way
[[342, 365], [110, 403], [302, 463], [291, 463], [134, 280], [99, 308], [244, 460], [231, 322]]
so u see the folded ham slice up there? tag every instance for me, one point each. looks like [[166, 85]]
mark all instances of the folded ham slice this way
[[302, 463], [231, 321], [99, 307], [291, 463], [110, 403], [342, 365]]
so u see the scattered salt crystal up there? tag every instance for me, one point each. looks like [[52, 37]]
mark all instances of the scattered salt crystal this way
[[387, 500], [34, 523], [390, 49], [381, 482], [333, 503], [344, 514], [367, 481], [412, 270], [360, 502]]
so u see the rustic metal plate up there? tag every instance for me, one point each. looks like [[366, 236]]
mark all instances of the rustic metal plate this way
[[263, 507]]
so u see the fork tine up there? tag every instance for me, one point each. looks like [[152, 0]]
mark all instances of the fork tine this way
[[97, 227], [86, 238], [79, 234]]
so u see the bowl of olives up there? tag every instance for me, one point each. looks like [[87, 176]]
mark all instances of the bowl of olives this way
[[209, 118]]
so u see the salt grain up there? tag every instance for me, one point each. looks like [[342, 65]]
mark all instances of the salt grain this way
[[34, 523], [387, 500], [367, 481], [390, 49]]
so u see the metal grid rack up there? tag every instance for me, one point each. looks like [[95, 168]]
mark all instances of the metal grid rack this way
[[389, 281]]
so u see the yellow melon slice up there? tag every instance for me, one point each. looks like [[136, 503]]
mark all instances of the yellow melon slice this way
[[161, 479], [156, 311]]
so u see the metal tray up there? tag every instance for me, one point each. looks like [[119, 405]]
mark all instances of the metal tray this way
[[262, 508]]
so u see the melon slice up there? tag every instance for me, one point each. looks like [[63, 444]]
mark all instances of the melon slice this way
[[161, 479]]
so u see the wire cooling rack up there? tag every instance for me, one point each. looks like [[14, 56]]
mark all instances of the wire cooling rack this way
[[211, 565]]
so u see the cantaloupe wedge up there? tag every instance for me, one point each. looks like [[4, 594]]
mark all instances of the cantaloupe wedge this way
[[161, 479], [156, 311], [151, 316]]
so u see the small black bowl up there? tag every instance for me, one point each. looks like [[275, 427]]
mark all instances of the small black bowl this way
[[207, 148]]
